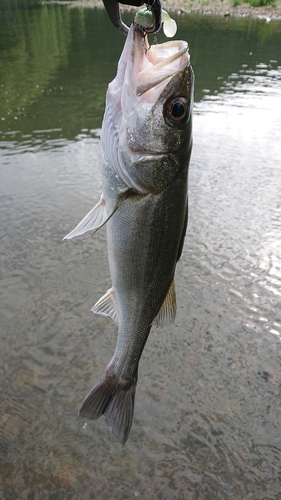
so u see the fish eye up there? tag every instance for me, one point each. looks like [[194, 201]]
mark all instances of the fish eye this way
[[176, 111]]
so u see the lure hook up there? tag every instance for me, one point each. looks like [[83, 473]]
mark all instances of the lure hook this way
[[113, 12]]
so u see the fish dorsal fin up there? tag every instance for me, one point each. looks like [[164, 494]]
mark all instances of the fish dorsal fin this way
[[106, 306], [97, 216], [183, 234], [167, 312], [92, 221]]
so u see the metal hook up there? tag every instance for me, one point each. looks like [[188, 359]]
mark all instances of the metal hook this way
[[156, 9], [113, 12], [112, 9]]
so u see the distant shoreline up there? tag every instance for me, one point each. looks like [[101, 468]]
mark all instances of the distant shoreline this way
[[216, 7]]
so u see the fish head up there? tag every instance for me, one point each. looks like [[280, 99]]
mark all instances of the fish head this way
[[151, 116]]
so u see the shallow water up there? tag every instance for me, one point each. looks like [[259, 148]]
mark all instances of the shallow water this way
[[207, 419]]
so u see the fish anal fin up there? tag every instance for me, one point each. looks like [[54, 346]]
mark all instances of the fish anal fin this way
[[106, 306], [93, 221], [115, 399], [167, 311]]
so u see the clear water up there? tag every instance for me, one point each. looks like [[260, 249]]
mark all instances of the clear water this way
[[207, 420]]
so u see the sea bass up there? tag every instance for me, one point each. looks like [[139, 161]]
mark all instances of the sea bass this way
[[146, 143]]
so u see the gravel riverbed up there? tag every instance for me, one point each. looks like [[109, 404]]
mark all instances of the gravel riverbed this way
[[217, 7]]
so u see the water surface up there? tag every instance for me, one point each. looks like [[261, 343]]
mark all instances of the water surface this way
[[207, 416]]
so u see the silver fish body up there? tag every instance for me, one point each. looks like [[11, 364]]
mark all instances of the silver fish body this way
[[146, 146]]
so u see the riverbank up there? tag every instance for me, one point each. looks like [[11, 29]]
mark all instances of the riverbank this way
[[217, 7]]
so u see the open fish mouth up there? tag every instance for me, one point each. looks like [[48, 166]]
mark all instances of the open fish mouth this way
[[167, 60], [136, 132], [153, 66]]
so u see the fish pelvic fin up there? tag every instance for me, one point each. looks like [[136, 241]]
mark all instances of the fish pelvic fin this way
[[167, 311], [97, 216], [114, 398], [106, 306]]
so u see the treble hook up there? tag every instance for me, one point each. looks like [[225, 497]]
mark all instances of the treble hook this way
[[113, 12], [156, 9]]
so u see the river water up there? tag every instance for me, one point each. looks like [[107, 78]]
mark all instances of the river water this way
[[207, 419]]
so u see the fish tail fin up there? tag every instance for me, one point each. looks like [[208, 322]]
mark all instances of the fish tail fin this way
[[114, 398]]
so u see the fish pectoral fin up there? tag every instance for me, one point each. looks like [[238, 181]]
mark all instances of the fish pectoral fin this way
[[94, 219], [97, 216], [106, 306], [167, 311]]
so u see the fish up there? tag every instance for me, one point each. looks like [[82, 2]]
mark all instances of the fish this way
[[146, 143]]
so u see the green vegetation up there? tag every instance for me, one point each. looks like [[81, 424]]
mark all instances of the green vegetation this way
[[33, 43], [254, 3], [14, 4]]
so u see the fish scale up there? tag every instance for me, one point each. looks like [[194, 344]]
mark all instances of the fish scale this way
[[146, 145]]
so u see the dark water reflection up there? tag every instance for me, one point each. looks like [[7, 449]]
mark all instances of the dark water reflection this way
[[207, 420]]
